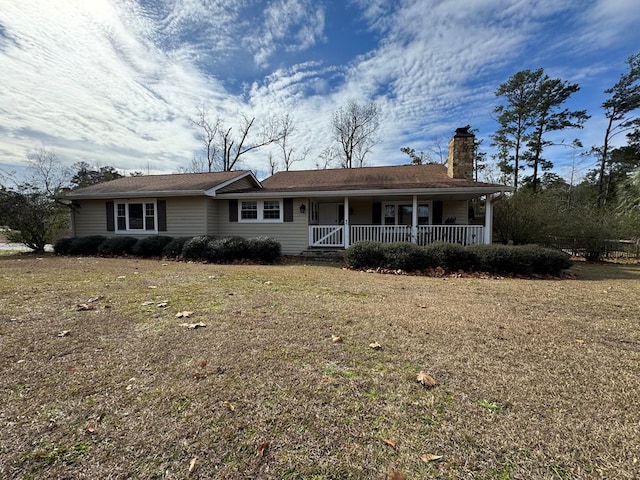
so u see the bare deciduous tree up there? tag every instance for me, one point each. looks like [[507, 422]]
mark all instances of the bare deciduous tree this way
[[355, 127], [223, 147]]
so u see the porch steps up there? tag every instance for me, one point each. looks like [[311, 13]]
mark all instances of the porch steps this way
[[323, 254]]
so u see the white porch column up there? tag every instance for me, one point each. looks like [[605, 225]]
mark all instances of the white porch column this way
[[347, 223], [414, 220], [488, 219]]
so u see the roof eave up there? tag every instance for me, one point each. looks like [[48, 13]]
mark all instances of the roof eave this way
[[137, 194], [484, 190]]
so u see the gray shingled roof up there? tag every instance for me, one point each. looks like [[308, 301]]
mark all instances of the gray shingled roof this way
[[176, 184], [370, 178]]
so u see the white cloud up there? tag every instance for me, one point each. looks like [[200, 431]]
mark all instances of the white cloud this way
[[115, 82]]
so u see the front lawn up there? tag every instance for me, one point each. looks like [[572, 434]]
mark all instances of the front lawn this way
[[99, 378]]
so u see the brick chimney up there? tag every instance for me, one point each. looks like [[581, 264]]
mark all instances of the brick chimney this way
[[460, 157]]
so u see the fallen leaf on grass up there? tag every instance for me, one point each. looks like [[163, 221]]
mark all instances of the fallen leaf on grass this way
[[391, 443], [203, 363], [426, 380], [396, 476], [336, 339], [185, 314], [163, 305], [193, 464], [64, 333], [229, 406], [193, 326], [263, 446], [375, 346], [428, 457], [91, 428]]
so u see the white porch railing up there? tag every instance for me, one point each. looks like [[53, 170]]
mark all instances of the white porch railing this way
[[326, 235], [461, 234], [333, 235], [380, 233]]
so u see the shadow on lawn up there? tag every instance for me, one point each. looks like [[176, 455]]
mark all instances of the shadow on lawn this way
[[605, 271]]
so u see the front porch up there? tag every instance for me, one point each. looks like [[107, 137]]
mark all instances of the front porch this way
[[340, 236], [341, 222]]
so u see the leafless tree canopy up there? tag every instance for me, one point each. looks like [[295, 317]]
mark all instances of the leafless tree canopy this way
[[223, 146], [355, 127]]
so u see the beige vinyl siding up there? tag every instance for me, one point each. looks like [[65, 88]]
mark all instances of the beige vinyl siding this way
[[186, 216], [90, 218], [458, 209], [293, 236], [212, 215]]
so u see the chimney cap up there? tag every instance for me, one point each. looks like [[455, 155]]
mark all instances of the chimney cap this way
[[464, 132]]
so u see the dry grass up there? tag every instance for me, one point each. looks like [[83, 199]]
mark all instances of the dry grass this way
[[538, 379]]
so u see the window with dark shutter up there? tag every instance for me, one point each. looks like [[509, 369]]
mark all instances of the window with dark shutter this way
[[233, 210], [162, 215], [288, 209], [111, 226]]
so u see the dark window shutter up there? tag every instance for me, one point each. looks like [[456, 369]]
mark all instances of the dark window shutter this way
[[437, 213], [233, 210], [162, 215], [287, 204], [111, 226], [376, 213]]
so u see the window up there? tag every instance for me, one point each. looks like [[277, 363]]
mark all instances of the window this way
[[260, 211], [271, 210], [249, 210], [398, 214], [389, 214], [136, 217]]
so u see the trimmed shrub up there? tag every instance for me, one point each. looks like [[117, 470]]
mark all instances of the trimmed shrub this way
[[406, 256], [174, 247], [116, 245], [546, 261], [365, 255], [450, 256], [62, 246], [195, 248], [263, 249], [229, 249], [150, 246], [86, 245], [519, 260]]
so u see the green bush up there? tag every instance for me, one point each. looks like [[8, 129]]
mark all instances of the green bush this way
[[116, 245], [195, 248], [365, 255], [86, 245], [406, 256], [62, 246], [150, 246], [545, 261], [174, 248], [450, 256], [263, 249], [229, 249], [519, 260]]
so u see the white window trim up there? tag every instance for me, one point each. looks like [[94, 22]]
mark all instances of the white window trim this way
[[261, 218], [128, 230], [398, 205]]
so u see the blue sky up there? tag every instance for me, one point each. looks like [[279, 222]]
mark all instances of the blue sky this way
[[115, 82]]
